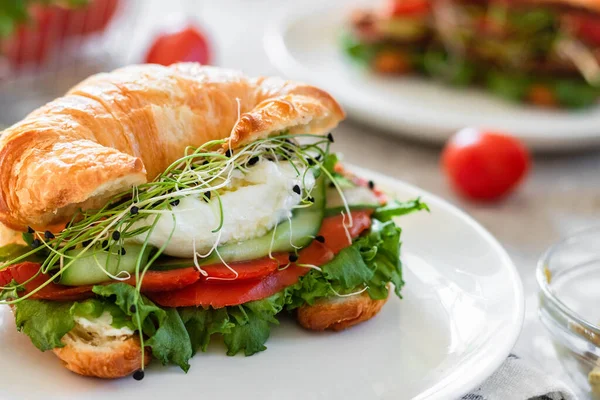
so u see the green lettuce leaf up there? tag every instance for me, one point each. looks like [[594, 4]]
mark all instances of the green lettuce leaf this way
[[372, 260], [202, 323], [245, 328], [396, 208], [167, 336], [348, 268], [171, 343], [94, 308], [12, 251], [45, 322]]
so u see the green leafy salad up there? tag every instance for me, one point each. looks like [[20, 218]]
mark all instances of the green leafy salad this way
[[545, 54]]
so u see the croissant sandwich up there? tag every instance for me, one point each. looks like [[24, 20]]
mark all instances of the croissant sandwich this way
[[152, 208], [543, 52]]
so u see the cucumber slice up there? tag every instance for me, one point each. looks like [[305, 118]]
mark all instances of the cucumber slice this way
[[357, 198], [304, 225], [88, 269]]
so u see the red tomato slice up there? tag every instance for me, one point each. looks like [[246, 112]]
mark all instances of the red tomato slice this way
[[253, 269], [157, 281], [187, 44], [218, 294], [23, 272], [332, 229]]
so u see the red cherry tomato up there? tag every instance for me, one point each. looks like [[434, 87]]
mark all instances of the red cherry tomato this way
[[484, 165], [187, 44], [404, 8]]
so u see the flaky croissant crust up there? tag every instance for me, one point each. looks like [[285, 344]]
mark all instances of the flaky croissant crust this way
[[120, 129]]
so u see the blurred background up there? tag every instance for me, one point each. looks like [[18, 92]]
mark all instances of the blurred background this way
[[401, 122]]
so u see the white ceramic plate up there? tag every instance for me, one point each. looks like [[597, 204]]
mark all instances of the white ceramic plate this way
[[461, 314], [303, 44]]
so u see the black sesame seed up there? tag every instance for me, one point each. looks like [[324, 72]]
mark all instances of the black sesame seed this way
[[296, 189], [134, 210], [30, 230], [36, 243], [253, 160], [48, 235], [320, 239], [116, 235], [86, 243], [371, 185], [311, 162], [123, 251], [311, 199], [228, 153], [293, 257], [138, 375], [175, 203], [104, 244], [133, 308], [207, 196], [318, 158], [330, 137]]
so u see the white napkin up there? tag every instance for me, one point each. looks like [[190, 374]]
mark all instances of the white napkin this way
[[517, 380]]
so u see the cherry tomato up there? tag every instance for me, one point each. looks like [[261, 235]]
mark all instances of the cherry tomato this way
[[187, 44], [484, 165], [413, 8]]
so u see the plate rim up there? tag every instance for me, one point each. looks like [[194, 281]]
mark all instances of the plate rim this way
[[454, 388], [422, 129]]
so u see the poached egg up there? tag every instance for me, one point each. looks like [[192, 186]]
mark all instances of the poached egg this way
[[252, 204]]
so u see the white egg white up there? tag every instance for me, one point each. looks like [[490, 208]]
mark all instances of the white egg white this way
[[253, 203]]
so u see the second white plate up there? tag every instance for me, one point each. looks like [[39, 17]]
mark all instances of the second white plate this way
[[303, 44]]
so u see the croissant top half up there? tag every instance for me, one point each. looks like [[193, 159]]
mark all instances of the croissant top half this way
[[120, 129]]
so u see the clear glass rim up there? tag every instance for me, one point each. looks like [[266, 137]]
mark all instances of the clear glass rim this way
[[544, 284]]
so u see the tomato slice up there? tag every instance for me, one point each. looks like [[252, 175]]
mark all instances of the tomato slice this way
[[332, 229], [218, 294], [21, 273], [253, 269], [156, 281]]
